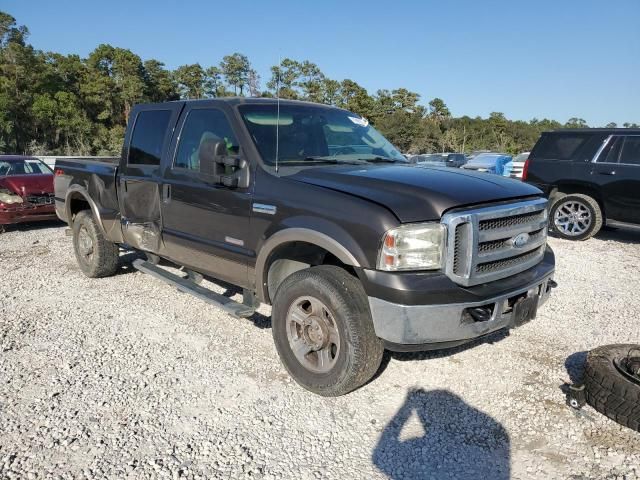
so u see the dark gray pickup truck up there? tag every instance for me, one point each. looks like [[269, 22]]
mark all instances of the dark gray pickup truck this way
[[308, 208]]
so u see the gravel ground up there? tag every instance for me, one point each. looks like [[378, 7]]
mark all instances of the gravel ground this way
[[125, 377]]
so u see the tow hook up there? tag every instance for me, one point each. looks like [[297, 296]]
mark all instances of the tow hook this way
[[576, 397], [552, 283]]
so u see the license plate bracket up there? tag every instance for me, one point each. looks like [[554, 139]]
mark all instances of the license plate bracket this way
[[525, 310]]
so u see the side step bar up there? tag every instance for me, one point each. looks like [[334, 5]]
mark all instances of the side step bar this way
[[188, 286]]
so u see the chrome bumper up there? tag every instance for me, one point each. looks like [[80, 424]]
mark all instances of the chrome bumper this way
[[445, 323]]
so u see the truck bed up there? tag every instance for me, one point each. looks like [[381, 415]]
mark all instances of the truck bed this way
[[95, 178]]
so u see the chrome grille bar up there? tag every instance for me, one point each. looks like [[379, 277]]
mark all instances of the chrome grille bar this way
[[489, 243]]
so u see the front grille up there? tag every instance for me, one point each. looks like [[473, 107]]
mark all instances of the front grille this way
[[44, 199], [456, 249], [510, 221], [494, 245], [495, 242], [509, 262]]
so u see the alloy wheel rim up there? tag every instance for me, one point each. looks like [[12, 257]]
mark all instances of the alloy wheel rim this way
[[313, 334], [572, 218]]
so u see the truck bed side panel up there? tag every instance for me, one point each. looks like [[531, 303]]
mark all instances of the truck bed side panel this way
[[93, 182]]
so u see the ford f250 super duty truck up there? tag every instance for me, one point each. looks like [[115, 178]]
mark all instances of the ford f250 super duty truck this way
[[308, 208]]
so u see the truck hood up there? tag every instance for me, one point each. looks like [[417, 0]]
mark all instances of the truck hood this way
[[32, 184], [416, 193]]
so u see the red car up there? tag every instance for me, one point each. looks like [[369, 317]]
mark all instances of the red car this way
[[26, 190]]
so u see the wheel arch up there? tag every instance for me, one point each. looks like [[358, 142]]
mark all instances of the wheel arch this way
[[568, 188], [78, 199], [293, 249]]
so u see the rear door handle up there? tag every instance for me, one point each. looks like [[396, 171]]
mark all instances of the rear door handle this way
[[166, 192], [611, 172]]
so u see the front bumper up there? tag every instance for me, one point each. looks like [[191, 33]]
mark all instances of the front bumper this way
[[21, 213], [408, 325]]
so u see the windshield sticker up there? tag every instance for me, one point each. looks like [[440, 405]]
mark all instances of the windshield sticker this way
[[363, 122]]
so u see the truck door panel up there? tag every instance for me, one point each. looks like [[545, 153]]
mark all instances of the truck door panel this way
[[204, 224], [138, 192]]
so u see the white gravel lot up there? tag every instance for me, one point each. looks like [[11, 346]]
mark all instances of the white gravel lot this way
[[125, 377]]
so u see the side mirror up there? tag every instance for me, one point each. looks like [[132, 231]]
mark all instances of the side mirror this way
[[221, 168]]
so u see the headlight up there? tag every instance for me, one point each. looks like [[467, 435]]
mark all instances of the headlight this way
[[413, 247]]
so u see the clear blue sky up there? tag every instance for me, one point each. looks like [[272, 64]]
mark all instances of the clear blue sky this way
[[539, 58]]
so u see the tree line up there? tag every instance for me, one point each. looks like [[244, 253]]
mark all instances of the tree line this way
[[64, 104]]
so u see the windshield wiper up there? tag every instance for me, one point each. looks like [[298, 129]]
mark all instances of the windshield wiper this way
[[321, 160], [380, 160]]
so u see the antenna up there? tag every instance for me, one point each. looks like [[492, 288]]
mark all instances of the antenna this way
[[278, 111]]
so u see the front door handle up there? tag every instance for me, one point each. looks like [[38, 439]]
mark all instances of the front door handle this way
[[610, 172], [166, 192]]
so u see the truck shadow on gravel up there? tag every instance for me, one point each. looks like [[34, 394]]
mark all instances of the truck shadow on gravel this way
[[448, 439]]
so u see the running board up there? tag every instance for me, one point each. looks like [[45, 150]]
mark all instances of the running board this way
[[187, 286]]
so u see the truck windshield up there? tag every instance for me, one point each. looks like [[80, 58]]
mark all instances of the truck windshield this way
[[311, 134]]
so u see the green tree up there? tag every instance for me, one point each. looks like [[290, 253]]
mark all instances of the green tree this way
[[355, 98], [438, 110], [284, 79], [575, 122], [123, 70], [236, 69], [191, 81], [160, 86]]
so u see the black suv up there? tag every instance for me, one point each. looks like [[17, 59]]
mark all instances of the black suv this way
[[592, 177]]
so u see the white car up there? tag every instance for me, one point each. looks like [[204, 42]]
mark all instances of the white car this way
[[518, 164]]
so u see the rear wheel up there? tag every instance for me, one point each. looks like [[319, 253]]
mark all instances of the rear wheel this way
[[575, 217], [323, 331], [96, 256]]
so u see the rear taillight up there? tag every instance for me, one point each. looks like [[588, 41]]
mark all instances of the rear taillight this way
[[59, 171], [525, 169]]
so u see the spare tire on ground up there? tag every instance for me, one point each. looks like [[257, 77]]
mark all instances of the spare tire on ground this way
[[612, 383]]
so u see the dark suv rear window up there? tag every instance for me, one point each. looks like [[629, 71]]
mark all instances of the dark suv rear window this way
[[148, 135], [560, 146]]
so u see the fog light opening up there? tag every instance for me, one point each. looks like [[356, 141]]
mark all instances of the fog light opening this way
[[481, 314]]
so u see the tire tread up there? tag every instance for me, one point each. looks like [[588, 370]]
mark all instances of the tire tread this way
[[610, 392], [106, 253]]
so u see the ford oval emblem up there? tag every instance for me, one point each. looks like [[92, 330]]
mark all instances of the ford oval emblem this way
[[520, 240]]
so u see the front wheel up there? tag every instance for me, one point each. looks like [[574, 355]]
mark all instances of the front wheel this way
[[575, 217], [323, 331]]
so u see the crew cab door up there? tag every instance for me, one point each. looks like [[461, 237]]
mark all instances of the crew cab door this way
[[618, 173], [146, 143], [205, 223]]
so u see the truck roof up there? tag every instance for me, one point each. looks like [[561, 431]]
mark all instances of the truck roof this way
[[597, 130], [246, 101]]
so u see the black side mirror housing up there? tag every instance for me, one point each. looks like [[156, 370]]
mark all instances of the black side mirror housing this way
[[223, 169]]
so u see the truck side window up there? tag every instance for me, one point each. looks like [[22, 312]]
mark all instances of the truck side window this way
[[611, 152], [631, 150], [201, 130], [148, 136]]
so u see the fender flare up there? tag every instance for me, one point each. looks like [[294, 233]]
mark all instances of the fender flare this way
[[74, 191], [295, 234]]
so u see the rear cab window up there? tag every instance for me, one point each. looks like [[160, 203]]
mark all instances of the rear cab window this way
[[147, 139]]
